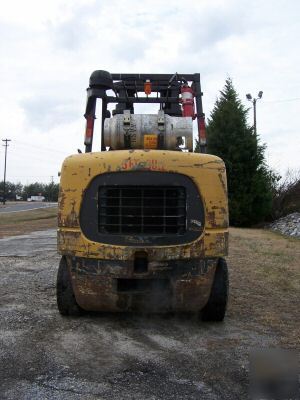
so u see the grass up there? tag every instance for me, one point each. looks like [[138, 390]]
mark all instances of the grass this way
[[23, 222], [265, 281]]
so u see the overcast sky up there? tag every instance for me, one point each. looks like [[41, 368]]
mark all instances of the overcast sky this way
[[49, 49]]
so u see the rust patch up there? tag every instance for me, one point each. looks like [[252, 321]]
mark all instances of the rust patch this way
[[71, 221], [218, 218], [205, 246], [70, 190], [96, 287], [192, 294], [221, 243], [61, 199], [211, 217], [59, 219], [223, 183], [205, 164], [137, 164]]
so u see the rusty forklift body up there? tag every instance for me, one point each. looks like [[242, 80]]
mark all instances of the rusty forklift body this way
[[142, 229]]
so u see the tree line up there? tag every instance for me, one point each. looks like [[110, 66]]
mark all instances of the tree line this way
[[15, 190], [256, 193]]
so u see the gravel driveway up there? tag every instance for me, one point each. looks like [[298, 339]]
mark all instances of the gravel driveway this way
[[46, 356]]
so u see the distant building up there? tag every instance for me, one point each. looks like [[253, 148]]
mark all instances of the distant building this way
[[36, 198]]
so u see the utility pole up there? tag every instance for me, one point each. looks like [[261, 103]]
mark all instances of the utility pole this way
[[253, 101], [51, 189], [4, 179]]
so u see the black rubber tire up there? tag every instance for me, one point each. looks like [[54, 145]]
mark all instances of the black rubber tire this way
[[215, 308], [65, 297]]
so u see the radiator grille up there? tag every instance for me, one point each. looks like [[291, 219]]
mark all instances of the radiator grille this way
[[142, 210]]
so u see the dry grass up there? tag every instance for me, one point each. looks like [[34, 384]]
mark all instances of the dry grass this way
[[265, 282], [23, 222]]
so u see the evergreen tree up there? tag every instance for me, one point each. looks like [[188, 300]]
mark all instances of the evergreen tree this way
[[250, 182], [11, 189], [51, 191], [33, 189]]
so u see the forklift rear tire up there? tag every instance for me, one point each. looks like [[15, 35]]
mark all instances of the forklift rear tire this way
[[216, 306], [66, 301]]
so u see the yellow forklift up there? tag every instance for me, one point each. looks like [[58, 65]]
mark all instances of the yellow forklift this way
[[143, 220]]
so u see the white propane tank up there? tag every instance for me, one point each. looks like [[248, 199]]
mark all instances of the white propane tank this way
[[143, 130]]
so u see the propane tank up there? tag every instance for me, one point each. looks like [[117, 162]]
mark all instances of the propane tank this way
[[142, 131], [187, 101]]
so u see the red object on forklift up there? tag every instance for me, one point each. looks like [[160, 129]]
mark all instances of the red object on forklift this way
[[187, 101], [147, 87], [202, 131], [89, 130]]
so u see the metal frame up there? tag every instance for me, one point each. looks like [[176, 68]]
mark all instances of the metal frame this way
[[194, 209], [127, 87]]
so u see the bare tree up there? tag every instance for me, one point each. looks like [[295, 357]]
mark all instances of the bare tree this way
[[287, 195]]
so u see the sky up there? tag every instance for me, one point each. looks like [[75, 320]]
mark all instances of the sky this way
[[48, 49]]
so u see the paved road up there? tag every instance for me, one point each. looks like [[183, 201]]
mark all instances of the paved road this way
[[17, 207], [46, 356]]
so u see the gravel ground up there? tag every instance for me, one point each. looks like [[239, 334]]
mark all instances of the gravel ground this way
[[288, 225], [46, 356]]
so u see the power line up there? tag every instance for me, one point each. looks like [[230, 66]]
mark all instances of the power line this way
[[53, 178], [283, 100], [36, 156], [40, 147], [4, 179]]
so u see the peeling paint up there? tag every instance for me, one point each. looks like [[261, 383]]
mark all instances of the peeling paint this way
[[187, 288], [222, 179]]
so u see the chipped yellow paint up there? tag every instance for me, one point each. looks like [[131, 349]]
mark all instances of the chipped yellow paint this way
[[207, 172]]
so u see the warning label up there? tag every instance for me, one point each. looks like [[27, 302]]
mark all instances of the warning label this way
[[150, 141]]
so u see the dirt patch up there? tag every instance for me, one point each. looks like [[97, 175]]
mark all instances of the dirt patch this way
[[46, 356], [12, 224]]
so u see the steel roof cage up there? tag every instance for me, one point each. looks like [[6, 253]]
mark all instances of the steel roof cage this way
[[127, 89]]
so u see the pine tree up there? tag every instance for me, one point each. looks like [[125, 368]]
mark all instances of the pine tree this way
[[250, 181]]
